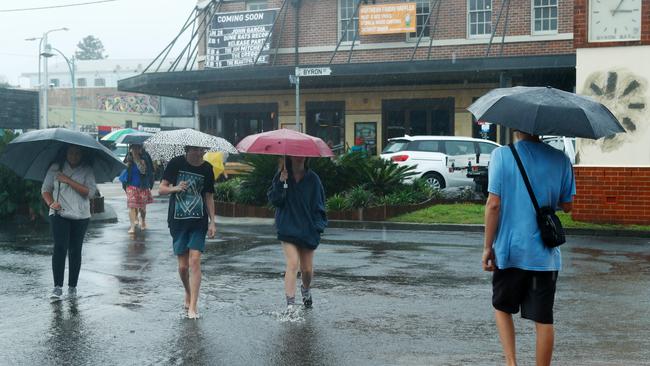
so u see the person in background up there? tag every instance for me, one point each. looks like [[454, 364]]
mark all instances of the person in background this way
[[68, 186], [140, 178]]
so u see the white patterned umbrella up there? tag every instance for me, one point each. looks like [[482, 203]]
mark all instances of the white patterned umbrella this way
[[165, 145]]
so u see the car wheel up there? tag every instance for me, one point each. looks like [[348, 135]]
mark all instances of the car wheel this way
[[435, 180]]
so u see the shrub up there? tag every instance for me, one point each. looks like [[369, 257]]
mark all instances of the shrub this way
[[15, 190], [227, 191], [337, 202], [383, 177], [359, 197]]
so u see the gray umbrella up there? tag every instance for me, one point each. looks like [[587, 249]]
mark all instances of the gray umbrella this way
[[136, 138], [31, 154], [546, 111], [165, 145]]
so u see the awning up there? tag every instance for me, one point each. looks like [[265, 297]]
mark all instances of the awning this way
[[193, 84]]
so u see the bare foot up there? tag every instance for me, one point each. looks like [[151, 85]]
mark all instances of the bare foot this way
[[143, 226], [131, 230], [186, 305], [192, 314]]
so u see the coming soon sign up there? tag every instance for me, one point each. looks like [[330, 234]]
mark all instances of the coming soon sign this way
[[387, 18]]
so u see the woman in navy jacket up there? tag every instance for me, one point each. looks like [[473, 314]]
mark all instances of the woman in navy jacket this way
[[299, 200]]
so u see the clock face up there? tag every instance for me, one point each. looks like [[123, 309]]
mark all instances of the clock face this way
[[614, 20]]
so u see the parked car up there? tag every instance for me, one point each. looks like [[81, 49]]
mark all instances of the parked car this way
[[565, 144], [441, 160], [120, 150]]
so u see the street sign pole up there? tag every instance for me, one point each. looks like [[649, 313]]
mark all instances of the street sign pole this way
[[295, 79], [298, 100]]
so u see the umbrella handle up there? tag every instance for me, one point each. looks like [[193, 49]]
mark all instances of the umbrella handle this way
[[285, 186]]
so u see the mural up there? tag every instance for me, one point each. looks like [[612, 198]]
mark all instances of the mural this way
[[129, 103], [624, 93]]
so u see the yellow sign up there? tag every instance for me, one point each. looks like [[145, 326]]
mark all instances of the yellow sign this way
[[387, 19]]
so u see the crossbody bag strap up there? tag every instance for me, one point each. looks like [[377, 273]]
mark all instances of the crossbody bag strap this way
[[525, 176]]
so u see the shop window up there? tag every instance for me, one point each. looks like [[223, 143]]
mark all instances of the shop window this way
[[326, 120], [479, 18], [100, 82], [81, 82], [55, 83]]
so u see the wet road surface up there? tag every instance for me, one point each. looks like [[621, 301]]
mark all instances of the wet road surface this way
[[380, 298]]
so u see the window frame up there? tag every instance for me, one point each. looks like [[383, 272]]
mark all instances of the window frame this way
[[340, 26], [469, 19], [103, 82], [85, 82], [532, 19], [413, 37], [250, 3]]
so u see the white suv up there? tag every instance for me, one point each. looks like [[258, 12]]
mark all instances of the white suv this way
[[441, 160]]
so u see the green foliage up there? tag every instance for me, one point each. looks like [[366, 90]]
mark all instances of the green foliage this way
[[90, 48], [256, 183], [227, 191], [15, 191], [337, 202], [383, 177], [359, 197]]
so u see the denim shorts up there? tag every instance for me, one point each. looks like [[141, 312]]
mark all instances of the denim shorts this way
[[185, 239]]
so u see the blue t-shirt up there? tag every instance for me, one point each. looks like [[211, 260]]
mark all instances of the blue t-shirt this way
[[518, 243]]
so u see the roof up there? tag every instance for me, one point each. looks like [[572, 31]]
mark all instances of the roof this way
[[57, 65], [436, 137], [194, 84]]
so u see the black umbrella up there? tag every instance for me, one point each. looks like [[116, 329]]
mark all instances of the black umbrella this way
[[136, 138], [31, 154], [546, 111]]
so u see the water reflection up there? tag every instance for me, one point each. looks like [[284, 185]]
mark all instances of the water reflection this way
[[301, 343], [69, 341], [190, 346]]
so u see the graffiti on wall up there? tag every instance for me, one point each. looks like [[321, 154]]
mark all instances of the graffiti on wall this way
[[128, 103], [624, 93]]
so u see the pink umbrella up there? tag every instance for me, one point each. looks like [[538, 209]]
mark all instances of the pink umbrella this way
[[284, 142]]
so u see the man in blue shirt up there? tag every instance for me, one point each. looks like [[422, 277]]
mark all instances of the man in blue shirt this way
[[525, 270]]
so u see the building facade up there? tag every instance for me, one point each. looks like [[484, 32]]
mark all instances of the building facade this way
[[416, 82], [100, 107], [613, 174]]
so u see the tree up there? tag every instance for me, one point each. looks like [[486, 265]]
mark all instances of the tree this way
[[90, 48]]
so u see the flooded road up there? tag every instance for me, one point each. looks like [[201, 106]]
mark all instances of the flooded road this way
[[380, 298]]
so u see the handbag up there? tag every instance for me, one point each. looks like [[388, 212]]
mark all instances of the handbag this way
[[124, 176], [550, 226]]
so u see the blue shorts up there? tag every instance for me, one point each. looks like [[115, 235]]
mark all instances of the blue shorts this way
[[183, 240]]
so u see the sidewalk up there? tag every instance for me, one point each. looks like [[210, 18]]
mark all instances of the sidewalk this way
[[114, 189]]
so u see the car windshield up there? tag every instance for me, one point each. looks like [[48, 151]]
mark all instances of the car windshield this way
[[395, 146], [120, 151]]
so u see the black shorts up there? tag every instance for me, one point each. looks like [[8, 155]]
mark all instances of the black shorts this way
[[534, 291]]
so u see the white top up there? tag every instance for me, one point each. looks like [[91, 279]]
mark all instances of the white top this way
[[73, 205]]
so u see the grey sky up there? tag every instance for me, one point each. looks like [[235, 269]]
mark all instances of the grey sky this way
[[129, 29]]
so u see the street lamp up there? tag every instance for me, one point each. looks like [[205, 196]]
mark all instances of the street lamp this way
[[42, 85], [47, 54]]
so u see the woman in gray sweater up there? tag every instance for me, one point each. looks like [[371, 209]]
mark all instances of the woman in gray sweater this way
[[68, 186]]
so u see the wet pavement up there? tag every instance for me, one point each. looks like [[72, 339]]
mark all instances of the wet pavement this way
[[380, 298]]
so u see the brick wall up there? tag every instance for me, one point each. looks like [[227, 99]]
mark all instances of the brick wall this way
[[319, 27], [581, 30], [619, 195]]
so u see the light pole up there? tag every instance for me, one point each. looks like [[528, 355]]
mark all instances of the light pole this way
[[47, 54], [43, 84]]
